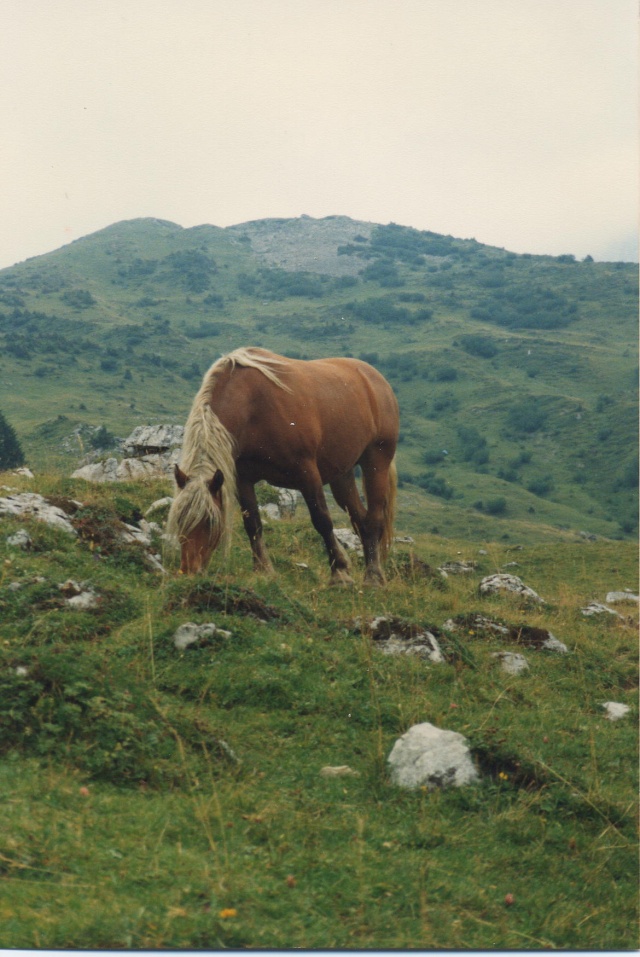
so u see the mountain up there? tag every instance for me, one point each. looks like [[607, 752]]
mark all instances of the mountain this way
[[516, 374]]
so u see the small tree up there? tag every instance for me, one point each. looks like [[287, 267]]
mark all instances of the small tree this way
[[11, 455]]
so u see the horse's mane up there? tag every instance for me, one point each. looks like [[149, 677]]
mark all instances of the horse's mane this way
[[208, 446]]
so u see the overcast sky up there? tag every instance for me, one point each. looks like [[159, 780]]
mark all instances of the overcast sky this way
[[510, 121]]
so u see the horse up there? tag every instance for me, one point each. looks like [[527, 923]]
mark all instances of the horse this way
[[299, 425]]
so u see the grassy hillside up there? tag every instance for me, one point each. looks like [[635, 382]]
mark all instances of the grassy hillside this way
[[516, 375], [157, 798]]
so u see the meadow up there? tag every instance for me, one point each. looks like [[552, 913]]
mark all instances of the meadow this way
[[158, 798]]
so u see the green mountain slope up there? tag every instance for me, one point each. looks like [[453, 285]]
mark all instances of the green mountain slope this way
[[516, 374]]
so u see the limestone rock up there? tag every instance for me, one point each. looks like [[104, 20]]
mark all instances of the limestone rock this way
[[35, 506], [615, 710], [495, 584], [349, 540], [458, 568], [613, 597], [426, 756], [192, 634], [153, 439], [271, 511], [597, 608], [21, 539], [395, 636], [510, 662], [339, 771]]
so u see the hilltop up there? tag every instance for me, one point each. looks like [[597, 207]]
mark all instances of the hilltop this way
[[516, 374]]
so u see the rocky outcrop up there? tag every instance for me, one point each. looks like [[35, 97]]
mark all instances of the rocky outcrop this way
[[151, 451], [395, 636], [511, 584], [430, 757], [32, 505]]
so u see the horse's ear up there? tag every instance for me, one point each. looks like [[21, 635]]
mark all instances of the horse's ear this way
[[180, 477], [216, 482]]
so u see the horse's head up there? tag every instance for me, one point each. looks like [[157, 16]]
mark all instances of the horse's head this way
[[197, 519]]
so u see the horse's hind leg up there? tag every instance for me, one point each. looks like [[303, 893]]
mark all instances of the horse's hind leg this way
[[253, 527], [375, 474], [345, 492], [313, 494]]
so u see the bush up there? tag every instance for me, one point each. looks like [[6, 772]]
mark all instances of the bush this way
[[541, 486], [526, 416], [479, 346], [435, 485], [496, 506]]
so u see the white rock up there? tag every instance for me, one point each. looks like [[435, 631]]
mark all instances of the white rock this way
[[552, 644], [615, 710], [404, 539], [288, 499], [510, 662], [158, 504], [271, 511], [616, 596], [349, 540], [596, 608], [34, 505], [21, 539], [457, 568], [339, 771], [430, 757], [24, 472], [21, 671], [84, 601], [147, 439], [494, 584], [190, 633]]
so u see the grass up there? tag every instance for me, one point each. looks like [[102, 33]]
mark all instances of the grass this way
[[163, 799]]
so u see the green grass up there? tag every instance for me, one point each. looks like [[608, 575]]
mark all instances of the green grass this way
[[159, 799]]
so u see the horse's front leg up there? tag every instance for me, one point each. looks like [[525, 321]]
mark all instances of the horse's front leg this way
[[253, 527], [313, 494]]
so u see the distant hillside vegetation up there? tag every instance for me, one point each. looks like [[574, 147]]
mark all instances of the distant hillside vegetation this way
[[516, 374]]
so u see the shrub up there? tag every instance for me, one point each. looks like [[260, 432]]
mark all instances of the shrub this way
[[496, 506], [479, 346], [526, 416], [435, 485]]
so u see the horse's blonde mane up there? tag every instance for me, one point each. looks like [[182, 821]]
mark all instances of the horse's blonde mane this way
[[209, 446]]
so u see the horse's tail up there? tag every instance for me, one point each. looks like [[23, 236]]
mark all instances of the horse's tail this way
[[389, 510]]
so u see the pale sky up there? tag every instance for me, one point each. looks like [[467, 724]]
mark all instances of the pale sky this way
[[510, 121]]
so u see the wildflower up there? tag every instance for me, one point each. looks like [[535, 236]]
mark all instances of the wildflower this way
[[509, 899], [228, 912], [503, 776]]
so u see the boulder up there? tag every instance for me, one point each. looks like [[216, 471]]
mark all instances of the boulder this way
[[79, 595], [613, 597], [496, 584], [288, 499], [35, 506], [478, 626], [21, 539], [615, 710], [395, 636], [191, 634], [430, 757], [271, 512], [458, 568], [131, 469], [349, 540], [597, 608], [510, 662], [153, 440]]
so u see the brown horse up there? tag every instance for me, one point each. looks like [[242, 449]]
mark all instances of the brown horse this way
[[299, 425]]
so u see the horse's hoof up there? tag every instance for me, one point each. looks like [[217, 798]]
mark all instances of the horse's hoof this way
[[374, 580], [342, 578]]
